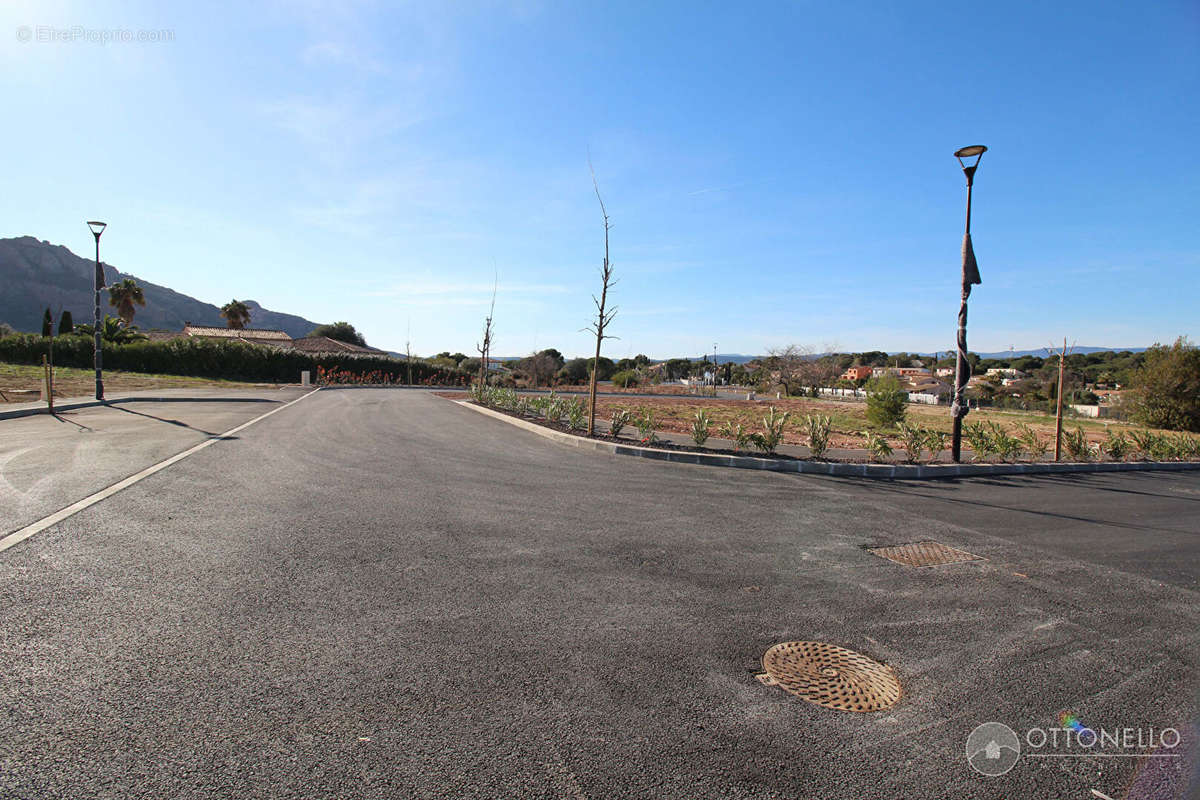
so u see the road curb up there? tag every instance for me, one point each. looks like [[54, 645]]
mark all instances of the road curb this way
[[72, 406], [29, 412], [835, 468]]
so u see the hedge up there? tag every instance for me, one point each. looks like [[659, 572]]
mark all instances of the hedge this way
[[228, 360]]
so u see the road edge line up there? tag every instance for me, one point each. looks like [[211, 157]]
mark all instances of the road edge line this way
[[20, 535]]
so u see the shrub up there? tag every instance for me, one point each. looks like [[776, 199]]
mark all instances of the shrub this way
[[1166, 389], [701, 424], [230, 360], [771, 437], [556, 408], [740, 437], [980, 440], [1117, 447], [1145, 442], [1188, 446], [886, 401], [620, 418], [817, 428], [625, 378], [877, 446], [1035, 445], [647, 426], [1077, 445], [913, 438], [935, 441], [1005, 445], [577, 414]]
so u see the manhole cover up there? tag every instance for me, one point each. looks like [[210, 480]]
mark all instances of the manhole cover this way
[[924, 554], [831, 676]]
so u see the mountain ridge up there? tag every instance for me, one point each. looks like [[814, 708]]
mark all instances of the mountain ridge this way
[[36, 273]]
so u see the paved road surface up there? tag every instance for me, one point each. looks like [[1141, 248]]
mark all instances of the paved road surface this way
[[380, 594]]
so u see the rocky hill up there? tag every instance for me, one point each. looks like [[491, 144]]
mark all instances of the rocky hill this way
[[35, 274]]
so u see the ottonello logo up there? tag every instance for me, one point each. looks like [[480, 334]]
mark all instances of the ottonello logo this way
[[993, 748]]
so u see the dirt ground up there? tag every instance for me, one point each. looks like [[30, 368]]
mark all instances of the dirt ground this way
[[848, 418]]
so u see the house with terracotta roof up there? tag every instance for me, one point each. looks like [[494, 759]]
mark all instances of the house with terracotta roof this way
[[314, 345], [856, 374], [323, 344], [265, 336]]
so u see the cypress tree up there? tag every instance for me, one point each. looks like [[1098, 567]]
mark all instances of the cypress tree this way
[[65, 323], [47, 323]]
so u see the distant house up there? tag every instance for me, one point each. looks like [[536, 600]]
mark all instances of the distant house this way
[[264, 336], [928, 386], [904, 372], [323, 344], [856, 374], [314, 345], [1007, 372]]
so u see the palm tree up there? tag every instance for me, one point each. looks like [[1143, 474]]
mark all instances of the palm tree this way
[[122, 296], [113, 331], [236, 314]]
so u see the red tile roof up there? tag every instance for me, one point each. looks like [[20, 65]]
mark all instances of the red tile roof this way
[[250, 334], [323, 344]]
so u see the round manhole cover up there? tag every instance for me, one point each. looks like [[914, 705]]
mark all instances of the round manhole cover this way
[[831, 676]]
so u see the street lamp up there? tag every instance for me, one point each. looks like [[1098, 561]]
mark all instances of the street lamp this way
[[97, 229], [970, 275], [714, 369]]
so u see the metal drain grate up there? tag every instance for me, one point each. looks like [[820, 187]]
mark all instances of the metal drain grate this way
[[924, 554], [831, 676]]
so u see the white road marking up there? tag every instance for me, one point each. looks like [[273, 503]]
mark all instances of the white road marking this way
[[16, 537]]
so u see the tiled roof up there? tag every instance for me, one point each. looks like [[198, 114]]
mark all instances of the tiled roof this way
[[323, 344], [250, 334]]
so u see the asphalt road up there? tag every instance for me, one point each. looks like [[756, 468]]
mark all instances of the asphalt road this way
[[378, 594]]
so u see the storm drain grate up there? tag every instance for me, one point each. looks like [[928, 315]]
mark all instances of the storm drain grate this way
[[831, 676], [924, 554]]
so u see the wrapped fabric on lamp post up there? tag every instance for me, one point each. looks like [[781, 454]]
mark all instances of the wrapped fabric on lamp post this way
[[97, 228], [970, 276]]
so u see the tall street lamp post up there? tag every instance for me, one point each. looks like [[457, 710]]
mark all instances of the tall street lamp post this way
[[97, 229], [714, 369], [970, 275]]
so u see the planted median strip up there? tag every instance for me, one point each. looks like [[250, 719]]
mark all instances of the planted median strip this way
[[818, 467]]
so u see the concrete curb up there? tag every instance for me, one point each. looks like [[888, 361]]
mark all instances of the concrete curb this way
[[840, 469], [40, 408]]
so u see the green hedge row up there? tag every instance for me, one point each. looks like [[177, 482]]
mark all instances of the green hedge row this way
[[206, 358]]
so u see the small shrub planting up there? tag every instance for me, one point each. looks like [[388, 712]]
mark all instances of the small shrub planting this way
[[1077, 445], [877, 445], [1117, 446], [620, 418], [740, 437], [647, 426], [817, 428], [701, 425]]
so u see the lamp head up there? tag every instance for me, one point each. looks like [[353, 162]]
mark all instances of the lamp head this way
[[97, 227], [975, 151]]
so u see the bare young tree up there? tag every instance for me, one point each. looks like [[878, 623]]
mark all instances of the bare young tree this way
[[485, 347], [789, 363], [604, 315]]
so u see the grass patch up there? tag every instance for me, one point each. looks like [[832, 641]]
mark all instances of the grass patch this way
[[72, 382]]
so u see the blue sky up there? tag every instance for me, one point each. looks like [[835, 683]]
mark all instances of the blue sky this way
[[776, 173]]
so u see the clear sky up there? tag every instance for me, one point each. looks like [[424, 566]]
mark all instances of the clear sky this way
[[775, 172]]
